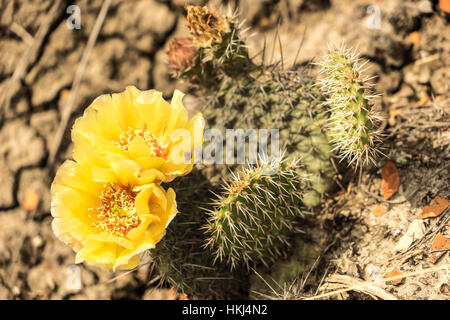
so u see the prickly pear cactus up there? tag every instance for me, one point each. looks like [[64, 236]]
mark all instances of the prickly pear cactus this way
[[281, 280], [243, 95], [180, 257], [284, 101], [256, 213], [353, 124], [215, 49], [254, 218]]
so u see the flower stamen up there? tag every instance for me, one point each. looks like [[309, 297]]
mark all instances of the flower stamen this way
[[156, 148], [116, 213]]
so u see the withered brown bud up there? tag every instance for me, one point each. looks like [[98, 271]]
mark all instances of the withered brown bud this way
[[206, 27]]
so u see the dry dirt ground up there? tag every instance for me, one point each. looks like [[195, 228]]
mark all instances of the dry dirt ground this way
[[409, 50]]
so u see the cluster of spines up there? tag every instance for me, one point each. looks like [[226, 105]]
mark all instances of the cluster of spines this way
[[180, 258], [256, 213], [229, 46], [255, 216], [285, 101], [215, 48], [353, 124]]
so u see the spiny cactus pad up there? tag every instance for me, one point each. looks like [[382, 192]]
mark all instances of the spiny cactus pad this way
[[283, 100], [353, 124], [244, 95], [256, 213], [282, 279], [180, 258]]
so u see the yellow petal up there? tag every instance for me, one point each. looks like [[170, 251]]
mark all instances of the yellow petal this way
[[148, 163], [76, 177], [138, 148], [106, 237], [153, 110], [123, 109], [178, 116], [127, 263], [150, 175], [100, 134], [172, 205]]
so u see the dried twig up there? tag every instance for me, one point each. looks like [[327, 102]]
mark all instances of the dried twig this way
[[370, 288], [67, 110], [427, 59], [348, 283], [429, 233], [22, 33]]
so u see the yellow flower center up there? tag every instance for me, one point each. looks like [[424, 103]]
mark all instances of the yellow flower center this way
[[156, 148], [116, 212]]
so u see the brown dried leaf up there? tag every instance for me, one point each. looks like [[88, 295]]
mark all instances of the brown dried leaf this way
[[264, 22], [183, 296], [422, 101], [440, 242], [393, 114], [414, 37], [31, 200], [172, 294], [394, 273], [390, 180], [444, 5], [437, 207]]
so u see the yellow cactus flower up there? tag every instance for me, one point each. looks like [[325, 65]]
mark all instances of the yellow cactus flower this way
[[140, 133], [108, 220]]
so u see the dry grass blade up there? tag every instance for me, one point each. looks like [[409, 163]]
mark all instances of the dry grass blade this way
[[344, 283], [347, 283], [430, 233], [67, 110], [22, 33]]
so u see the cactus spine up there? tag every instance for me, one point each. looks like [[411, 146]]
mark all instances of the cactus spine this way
[[282, 279], [284, 101], [254, 218], [256, 213], [353, 124], [215, 49], [180, 258]]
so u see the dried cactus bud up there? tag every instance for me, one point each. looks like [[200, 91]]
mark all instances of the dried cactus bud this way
[[206, 27], [219, 49], [182, 54]]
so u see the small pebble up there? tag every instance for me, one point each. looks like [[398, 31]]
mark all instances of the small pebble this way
[[37, 241], [425, 7], [373, 273]]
